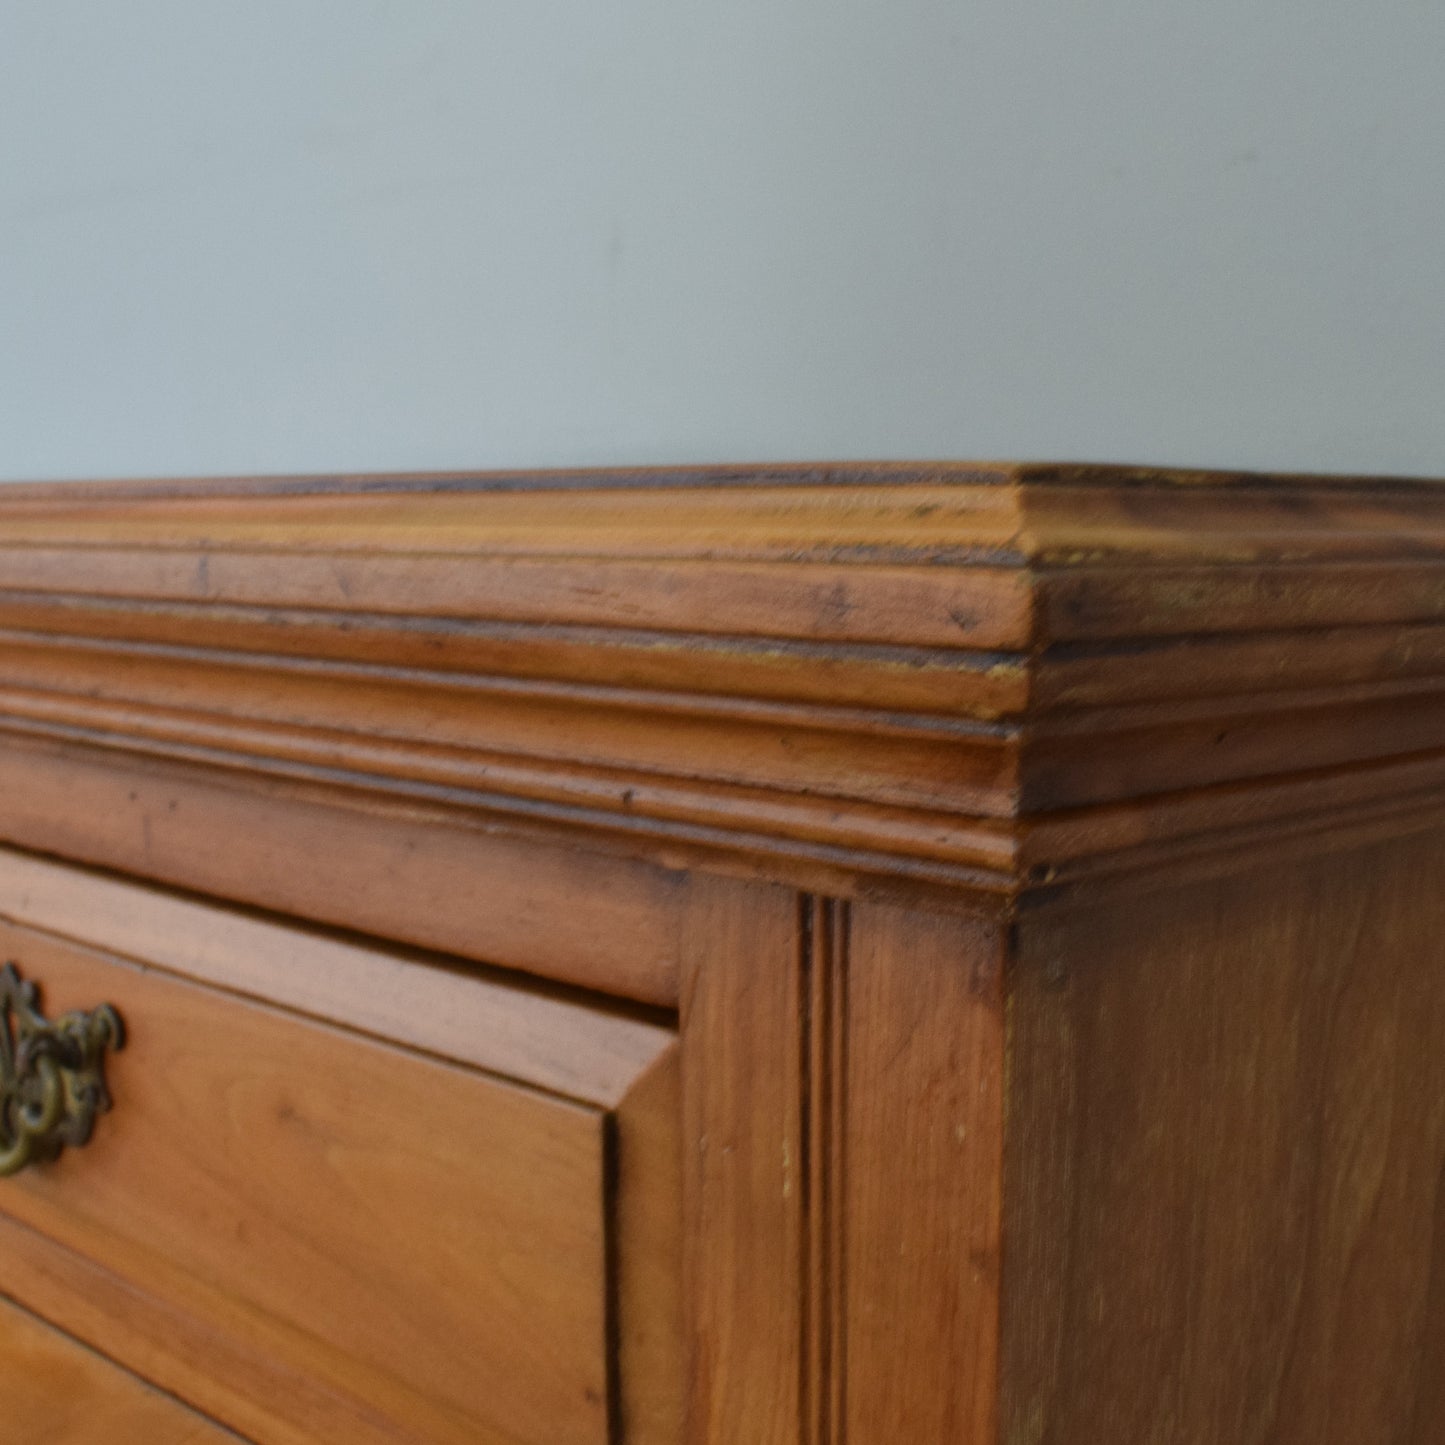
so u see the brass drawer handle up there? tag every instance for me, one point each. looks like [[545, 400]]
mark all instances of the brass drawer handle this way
[[52, 1075]]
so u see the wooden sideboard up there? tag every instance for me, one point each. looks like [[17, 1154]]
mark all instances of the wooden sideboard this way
[[835, 955]]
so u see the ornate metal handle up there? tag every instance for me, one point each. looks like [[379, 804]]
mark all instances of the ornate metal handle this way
[[52, 1075]]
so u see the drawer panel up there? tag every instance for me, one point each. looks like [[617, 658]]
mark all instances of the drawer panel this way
[[316, 1235], [54, 1391]]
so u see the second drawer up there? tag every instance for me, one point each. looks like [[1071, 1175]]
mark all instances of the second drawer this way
[[318, 1235]]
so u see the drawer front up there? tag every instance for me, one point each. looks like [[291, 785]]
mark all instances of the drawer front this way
[[319, 1236], [54, 1391]]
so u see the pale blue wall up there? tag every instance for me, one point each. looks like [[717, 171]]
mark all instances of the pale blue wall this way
[[293, 235]]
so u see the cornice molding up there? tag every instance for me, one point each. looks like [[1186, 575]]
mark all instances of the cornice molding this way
[[1002, 677]]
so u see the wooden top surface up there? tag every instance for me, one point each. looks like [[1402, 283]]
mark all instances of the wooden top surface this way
[[1001, 676]]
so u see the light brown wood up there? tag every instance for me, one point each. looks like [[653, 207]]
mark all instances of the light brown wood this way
[[819, 955], [491, 1021], [608, 1058], [1225, 1168], [649, 1309], [254, 1177], [843, 1111], [870, 669], [921, 1177], [744, 1167], [585, 551], [431, 881], [176, 1347], [56, 1392], [551, 745]]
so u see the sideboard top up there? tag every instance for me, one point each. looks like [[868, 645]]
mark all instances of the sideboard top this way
[[843, 549], [997, 676]]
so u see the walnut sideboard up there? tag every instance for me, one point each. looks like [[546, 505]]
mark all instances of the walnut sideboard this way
[[839, 955]]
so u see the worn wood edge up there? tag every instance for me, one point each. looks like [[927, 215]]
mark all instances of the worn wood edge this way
[[822, 473], [379, 812], [881, 525], [1185, 597], [1034, 856], [1000, 858]]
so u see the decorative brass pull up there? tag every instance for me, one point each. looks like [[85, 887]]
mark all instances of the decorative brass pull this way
[[52, 1075]]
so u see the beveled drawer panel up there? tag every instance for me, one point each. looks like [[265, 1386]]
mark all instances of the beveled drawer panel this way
[[317, 1235]]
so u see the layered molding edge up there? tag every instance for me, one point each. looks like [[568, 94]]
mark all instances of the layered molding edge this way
[[1003, 678]]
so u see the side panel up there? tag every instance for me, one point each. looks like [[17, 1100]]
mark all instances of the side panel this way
[[1226, 1147], [742, 1145], [923, 1142], [843, 1073]]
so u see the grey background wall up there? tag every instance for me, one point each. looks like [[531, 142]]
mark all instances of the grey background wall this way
[[340, 234]]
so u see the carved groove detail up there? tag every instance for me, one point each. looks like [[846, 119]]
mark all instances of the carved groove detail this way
[[824, 1017]]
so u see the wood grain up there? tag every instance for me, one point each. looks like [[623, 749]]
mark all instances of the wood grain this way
[[1041, 862], [424, 1242], [599, 1055], [1225, 1161], [186, 1352], [54, 1391], [491, 1021], [570, 554], [922, 1182], [844, 1104], [649, 1311], [434, 881], [743, 1163], [887, 671]]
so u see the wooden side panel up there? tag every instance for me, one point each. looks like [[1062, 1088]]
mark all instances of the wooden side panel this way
[[843, 1128], [921, 1177], [742, 1034], [1225, 1217], [374, 1246], [54, 1391]]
